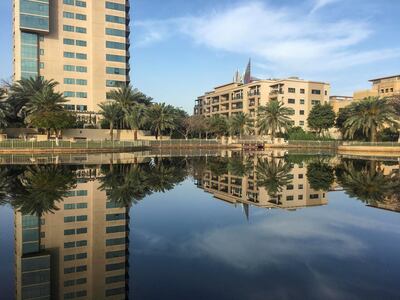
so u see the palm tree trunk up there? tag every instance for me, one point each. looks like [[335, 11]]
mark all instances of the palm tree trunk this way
[[373, 133], [112, 131], [135, 134]]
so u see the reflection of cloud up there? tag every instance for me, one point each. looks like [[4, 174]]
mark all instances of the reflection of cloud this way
[[282, 38], [275, 240]]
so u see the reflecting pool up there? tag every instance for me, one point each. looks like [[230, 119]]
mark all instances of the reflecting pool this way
[[219, 226]]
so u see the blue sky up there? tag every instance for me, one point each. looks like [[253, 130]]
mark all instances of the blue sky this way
[[180, 48]]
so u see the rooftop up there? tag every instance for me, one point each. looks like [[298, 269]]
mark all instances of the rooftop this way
[[388, 77]]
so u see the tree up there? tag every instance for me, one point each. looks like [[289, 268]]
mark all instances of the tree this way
[[241, 124], [370, 116], [112, 113], [55, 120], [21, 92], [136, 118], [160, 117], [321, 118], [320, 176], [180, 117], [4, 109], [218, 125], [45, 109], [273, 175], [274, 118]]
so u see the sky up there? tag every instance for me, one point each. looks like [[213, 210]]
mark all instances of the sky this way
[[181, 49]]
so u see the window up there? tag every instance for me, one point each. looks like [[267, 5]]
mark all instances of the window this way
[[290, 187], [326, 93], [300, 197], [81, 69], [116, 58], [69, 42], [114, 229], [81, 243], [115, 19], [116, 291], [69, 219], [69, 107], [69, 2], [81, 56], [69, 206], [41, 65], [81, 230], [291, 90], [81, 43], [301, 123], [81, 95], [316, 92], [80, 3], [41, 51], [115, 6], [117, 241], [114, 254], [115, 32], [69, 270], [81, 193], [81, 256], [81, 205], [81, 269], [81, 82], [115, 217], [113, 267], [315, 102], [302, 112], [289, 198], [116, 45], [115, 83], [302, 91], [81, 218], [302, 101], [314, 196], [69, 68], [68, 28], [291, 101], [80, 17], [301, 186], [116, 71], [69, 231], [69, 245], [81, 107], [68, 15], [69, 54], [69, 94], [69, 81], [114, 279], [80, 30]]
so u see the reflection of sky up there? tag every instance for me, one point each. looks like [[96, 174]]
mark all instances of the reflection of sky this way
[[6, 253], [186, 243]]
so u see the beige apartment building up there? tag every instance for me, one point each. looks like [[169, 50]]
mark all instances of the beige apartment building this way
[[381, 87], [232, 98], [340, 102], [79, 252], [83, 45]]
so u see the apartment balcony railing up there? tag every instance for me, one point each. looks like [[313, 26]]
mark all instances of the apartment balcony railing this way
[[275, 92], [237, 97], [254, 93]]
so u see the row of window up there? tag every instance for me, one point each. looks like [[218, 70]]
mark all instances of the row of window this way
[[82, 56], [303, 91], [115, 6], [116, 32], [115, 83], [301, 197], [75, 81], [72, 68], [115, 19], [70, 15], [116, 217], [115, 254], [70, 28], [69, 94], [114, 279], [114, 267], [115, 229], [77, 107], [75, 2], [77, 269], [75, 231], [116, 241], [73, 282], [73, 295], [71, 219], [117, 45], [72, 42], [68, 245], [77, 256], [70, 206]]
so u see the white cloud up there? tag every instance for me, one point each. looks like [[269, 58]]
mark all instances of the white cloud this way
[[318, 4], [280, 38]]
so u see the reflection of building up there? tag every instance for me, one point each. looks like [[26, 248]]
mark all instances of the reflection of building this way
[[382, 87], [245, 190], [83, 45], [86, 241], [232, 98]]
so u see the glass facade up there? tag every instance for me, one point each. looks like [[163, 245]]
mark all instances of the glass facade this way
[[29, 55], [35, 15]]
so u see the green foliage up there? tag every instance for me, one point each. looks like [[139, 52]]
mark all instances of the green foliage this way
[[274, 118], [321, 118], [218, 125], [56, 120], [273, 175], [298, 134], [112, 113], [160, 118], [241, 124], [320, 176], [370, 115]]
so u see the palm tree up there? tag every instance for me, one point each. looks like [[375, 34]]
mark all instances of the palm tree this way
[[136, 118], [241, 123], [273, 175], [21, 92], [274, 118], [112, 113], [218, 125], [4, 109], [371, 115], [160, 117]]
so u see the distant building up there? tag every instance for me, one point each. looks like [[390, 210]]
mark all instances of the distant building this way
[[232, 98], [83, 45], [381, 87], [340, 102]]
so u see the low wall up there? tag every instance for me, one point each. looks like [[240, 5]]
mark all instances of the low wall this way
[[370, 150]]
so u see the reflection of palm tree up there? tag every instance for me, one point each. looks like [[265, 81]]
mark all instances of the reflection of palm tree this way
[[273, 175], [369, 184], [238, 167], [4, 187], [320, 176], [40, 188], [165, 174]]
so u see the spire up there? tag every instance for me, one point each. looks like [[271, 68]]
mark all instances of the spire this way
[[237, 78], [247, 74]]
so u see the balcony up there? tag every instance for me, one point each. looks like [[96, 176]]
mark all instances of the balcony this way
[[253, 93], [276, 92]]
